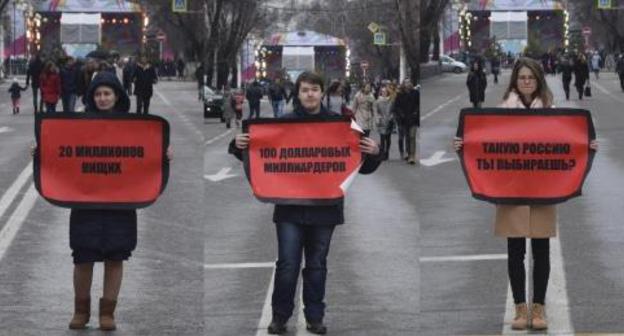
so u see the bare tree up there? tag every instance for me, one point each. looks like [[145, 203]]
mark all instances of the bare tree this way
[[432, 11], [609, 23], [410, 27]]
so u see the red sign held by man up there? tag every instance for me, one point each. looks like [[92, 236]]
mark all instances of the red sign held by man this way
[[516, 156], [289, 163], [95, 160]]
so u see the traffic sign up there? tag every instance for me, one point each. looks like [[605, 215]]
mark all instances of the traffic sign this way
[[364, 64], [587, 30], [373, 27], [379, 39], [604, 4], [161, 36], [179, 6]]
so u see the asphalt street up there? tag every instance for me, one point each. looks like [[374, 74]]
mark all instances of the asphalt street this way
[[373, 280], [464, 286], [162, 288]]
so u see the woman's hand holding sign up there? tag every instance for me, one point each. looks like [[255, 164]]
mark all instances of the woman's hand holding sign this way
[[369, 146], [593, 145], [458, 143]]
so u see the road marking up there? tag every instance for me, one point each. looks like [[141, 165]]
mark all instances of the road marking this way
[[439, 108], [435, 159], [5, 129], [221, 175], [218, 137], [180, 115], [267, 310], [607, 92], [557, 305], [10, 229], [11, 193], [240, 265], [475, 257]]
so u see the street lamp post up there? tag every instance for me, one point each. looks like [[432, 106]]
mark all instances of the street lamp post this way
[[11, 60]]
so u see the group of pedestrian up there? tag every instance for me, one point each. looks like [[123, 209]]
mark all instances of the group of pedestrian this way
[[67, 79]]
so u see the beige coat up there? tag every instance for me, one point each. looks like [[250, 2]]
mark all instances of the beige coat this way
[[363, 110], [531, 221]]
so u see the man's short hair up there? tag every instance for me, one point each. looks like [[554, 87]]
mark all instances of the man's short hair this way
[[310, 78]]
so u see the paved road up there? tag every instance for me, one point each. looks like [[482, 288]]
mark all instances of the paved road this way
[[472, 297], [373, 281], [163, 281]]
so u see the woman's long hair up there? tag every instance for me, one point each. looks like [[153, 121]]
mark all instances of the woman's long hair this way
[[542, 91]]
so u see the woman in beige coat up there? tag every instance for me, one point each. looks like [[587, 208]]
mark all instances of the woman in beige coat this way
[[527, 89], [363, 109]]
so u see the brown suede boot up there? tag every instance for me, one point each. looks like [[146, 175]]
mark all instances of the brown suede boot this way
[[538, 317], [82, 313], [107, 310], [521, 321]]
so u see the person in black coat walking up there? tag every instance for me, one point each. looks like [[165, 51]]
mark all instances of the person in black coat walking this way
[[406, 111], [476, 82], [254, 95], [565, 67], [144, 80], [581, 74], [35, 67], [305, 230], [619, 68]]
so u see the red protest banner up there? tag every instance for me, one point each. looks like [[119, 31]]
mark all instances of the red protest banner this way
[[301, 161], [101, 160], [519, 156]]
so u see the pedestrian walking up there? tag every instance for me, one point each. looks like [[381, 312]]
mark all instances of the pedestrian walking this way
[[406, 111], [126, 75], [254, 96], [566, 69], [619, 68], [476, 82], [527, 90], [581, 75], [495, 63], [199, 77], [144, 80], [334, 98], [228, 106], [595, 64], [239, 99], [277, 95], [384, 120], [180, 65], [305, 230], [363, 108], [16, 94], [69, 86], [50, 82], [32, 76]]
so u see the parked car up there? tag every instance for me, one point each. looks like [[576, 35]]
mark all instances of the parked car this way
[[450, 64], [213, 103]]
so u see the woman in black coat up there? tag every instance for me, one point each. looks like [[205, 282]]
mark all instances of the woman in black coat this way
[[101, 235], [476, 82], [581, 74]]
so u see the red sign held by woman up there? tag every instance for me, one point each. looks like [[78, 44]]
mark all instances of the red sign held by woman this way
[[101, 160], [517, 156]]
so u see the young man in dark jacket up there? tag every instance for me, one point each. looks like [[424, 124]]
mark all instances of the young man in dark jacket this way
[[305, 228]]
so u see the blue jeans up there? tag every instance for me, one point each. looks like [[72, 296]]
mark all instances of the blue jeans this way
[[278, 108], [293, 241]]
